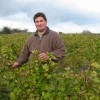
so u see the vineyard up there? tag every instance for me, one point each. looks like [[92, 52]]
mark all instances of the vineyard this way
[[75, 77]]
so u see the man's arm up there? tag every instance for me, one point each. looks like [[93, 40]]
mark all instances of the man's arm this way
[[59, 48], [23, 56]]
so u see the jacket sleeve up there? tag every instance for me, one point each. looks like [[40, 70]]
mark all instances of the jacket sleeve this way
[[58, 47], [24, 54]]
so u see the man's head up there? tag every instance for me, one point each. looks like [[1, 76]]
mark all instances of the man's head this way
[[40, 21]]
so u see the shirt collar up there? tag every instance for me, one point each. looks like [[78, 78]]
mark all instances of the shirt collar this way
[[46, 32]]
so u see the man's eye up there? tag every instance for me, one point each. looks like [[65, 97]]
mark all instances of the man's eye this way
[[36, 21]]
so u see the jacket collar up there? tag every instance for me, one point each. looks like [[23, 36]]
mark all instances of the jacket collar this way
[[46, 32]]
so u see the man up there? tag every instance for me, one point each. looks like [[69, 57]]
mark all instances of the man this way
[[44, 40]]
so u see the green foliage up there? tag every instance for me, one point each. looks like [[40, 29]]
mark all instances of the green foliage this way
[[16, 30], [86, 32], [6, 30], [76, 77]]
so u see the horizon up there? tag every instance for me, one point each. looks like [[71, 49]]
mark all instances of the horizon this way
[[70, 16]]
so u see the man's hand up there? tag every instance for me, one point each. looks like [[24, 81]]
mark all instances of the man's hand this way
[[15, 65], [42, 56]]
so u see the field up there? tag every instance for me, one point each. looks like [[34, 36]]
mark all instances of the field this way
[[76, 77]]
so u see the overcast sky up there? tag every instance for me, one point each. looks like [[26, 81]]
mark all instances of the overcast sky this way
[[62, 15]]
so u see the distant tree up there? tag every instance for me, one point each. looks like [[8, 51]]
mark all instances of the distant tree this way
[[6, 30], [60, 32], [86, 32], [18, 30], [14, 30], [24, 30]]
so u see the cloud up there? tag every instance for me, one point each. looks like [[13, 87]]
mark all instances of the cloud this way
[[15, 24], [21, 16], [77, 14], [70, 27]]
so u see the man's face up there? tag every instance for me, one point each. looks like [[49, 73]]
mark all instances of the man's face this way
[[40, 24]]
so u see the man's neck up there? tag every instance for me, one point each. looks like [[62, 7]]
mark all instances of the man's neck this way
[[41, 33]]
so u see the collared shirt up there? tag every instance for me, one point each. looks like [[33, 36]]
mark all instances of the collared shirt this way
[[41, 33]]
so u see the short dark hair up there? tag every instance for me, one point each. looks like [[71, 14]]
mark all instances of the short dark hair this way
[[40, 14]]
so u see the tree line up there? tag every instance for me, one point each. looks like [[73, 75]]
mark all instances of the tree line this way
[[7, 30]]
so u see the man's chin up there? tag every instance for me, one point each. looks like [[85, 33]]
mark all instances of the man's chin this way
[[41, 30]]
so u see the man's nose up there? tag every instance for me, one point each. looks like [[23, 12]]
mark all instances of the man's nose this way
[[39, 23]]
